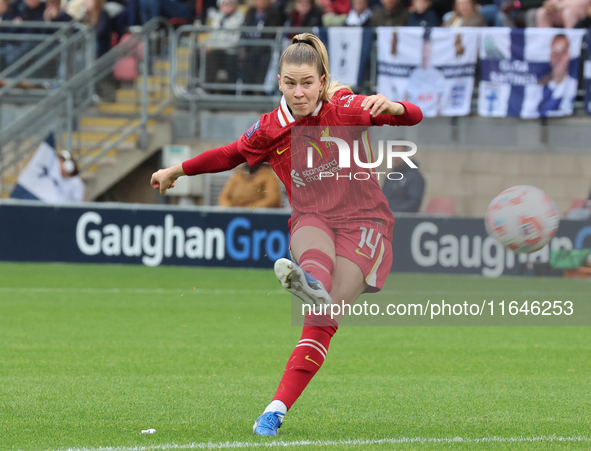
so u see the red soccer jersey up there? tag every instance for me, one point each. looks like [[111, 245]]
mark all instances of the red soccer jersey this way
[[344, 202]]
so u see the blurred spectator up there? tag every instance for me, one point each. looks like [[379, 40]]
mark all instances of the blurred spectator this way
[[522, 13], [335, 12], [50, 176], [30, 11], [165, 8], [493, 16], [73, 188], [35, 11], [359, 15], [221, 53], [391, 14], [255, 59], [561, 13], [54, 13], [7, 48], [304, 14], [442, 7], [406, 194], [96, 16], [585, 22], [465, 14], [423, 15], [263, 14], [7, 10], [252, 186]]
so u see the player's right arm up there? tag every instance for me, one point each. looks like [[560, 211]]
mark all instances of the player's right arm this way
[[251, 147], [215, 160]]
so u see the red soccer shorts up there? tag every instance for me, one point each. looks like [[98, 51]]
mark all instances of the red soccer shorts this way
[[363, 245]]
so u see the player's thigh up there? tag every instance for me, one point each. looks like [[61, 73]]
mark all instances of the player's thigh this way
[[348, 281], [311, 233]]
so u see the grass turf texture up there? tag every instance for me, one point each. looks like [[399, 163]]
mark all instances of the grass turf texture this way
[[85, 365]]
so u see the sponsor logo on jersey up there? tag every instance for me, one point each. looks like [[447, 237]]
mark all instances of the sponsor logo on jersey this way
[[323, 168], [297, 180], [252, 129], [279, 152], [348, 104]]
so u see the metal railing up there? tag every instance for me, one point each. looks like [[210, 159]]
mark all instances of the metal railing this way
[[61, 110], [43, 55], [209, 62]]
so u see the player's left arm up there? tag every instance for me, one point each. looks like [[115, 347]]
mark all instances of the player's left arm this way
[[383, 111]]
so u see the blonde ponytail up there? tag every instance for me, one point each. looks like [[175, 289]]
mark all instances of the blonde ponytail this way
[[307, 48]]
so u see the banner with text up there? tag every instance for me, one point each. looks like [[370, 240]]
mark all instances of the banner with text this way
[[528, 73], [153, 236]]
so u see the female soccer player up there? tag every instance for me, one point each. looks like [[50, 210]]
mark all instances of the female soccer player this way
[[341, 230]]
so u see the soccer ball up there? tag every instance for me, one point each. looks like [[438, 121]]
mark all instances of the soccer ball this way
[[522, 218]]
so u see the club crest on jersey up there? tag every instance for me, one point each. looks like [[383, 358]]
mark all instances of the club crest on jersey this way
[[252, 129], [326, 133]]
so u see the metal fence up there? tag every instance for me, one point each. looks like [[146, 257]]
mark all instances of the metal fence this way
[[43, 56], [61, 110], [228, 62]]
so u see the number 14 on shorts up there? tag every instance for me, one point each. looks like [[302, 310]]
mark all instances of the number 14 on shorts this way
[[366, 239]]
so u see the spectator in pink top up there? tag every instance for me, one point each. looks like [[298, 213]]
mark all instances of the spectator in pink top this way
[[561, 13]]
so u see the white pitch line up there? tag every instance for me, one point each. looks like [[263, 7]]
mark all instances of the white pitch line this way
[[285, 444], [480, 294], [134, 290]]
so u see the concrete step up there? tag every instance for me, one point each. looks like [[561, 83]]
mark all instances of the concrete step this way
[[101, 177], [88, 139], [164, 65], [9, 179], [105, 124], [133, 96], [86, 153], [183, 53], [130, 108], [159, 82]]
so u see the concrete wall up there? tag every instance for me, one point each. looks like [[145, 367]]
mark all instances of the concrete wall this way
[[473, 178]]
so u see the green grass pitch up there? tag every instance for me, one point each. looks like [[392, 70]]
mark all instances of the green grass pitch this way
[[90, 355]]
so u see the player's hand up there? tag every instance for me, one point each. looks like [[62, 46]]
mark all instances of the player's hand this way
[[379, 104], [165, 179]]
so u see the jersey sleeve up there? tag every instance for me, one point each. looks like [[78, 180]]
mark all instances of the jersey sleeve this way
[[411, 116], [215, 160], [349, 108], [351, 112], [254, 144]]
